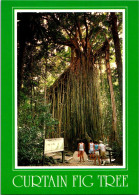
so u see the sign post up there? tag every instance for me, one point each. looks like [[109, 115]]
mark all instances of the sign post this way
[[54, 145]]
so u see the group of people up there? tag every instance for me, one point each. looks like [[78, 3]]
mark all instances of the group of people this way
[[97, 151]]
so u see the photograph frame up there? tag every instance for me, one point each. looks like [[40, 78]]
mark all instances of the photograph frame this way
[[32, 10], [9, 105]]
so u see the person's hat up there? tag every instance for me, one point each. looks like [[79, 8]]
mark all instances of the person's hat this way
[[100, 141]]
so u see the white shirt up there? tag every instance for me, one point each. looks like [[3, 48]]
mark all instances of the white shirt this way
[[81, 146], [102, 147], [91, 146]]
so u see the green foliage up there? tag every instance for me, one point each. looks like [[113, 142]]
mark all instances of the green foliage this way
[[106, 106], [33, 125], [118, 103], [117, 152]]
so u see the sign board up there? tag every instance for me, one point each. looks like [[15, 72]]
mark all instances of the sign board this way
[[53, 145]]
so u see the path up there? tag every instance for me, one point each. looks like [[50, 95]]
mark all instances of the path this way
[[72, 160]]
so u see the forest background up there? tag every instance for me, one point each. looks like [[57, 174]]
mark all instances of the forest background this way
[[69, 80]]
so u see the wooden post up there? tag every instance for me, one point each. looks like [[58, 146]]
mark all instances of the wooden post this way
[[43, 160], [63, 156], [110, 155], [43, 153]]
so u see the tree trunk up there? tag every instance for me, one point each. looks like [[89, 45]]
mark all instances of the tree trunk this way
[[109, 76], [117, 49], [45, 89]]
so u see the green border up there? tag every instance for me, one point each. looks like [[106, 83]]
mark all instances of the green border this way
[[7, 102], [13, 85], [126, 132]]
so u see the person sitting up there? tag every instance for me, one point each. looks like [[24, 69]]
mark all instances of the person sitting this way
[[81, 148], [91, 149], [102, 152], [97, 156]]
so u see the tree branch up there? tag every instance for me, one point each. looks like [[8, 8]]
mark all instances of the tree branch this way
[[79, 30], [102, 49], [86, 38], [60, 24]]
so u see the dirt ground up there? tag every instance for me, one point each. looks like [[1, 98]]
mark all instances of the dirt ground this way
[[73, 160], [86, 163]]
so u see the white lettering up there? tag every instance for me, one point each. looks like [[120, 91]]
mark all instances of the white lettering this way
[[34, 184], [63, 181], [25, 181], [51, 180], [74, 179], [124, 179], [91, 184], [14, 181]]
